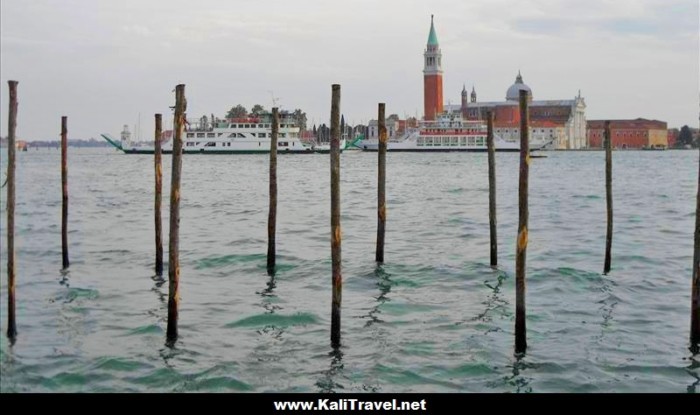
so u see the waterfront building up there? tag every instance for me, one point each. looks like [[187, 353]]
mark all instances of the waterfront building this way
[[563, 122], [628, 134], [392, 128]]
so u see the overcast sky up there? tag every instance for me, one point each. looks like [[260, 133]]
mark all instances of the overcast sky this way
[[104, 62]]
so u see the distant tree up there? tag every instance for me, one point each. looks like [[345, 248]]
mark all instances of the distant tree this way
[[342, 125], [324, 133], [393, 117], [257, 109], [685, 137], [300, 118], [238, 111], [314, 130]]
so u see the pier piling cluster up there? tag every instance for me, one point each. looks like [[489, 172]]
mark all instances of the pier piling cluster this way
[[336, 234]]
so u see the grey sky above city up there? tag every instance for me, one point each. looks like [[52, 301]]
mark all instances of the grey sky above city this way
[[107, 63]]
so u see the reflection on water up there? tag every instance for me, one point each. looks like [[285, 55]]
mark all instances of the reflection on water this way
[[384, 285], [329, 383], [65, 277], [495, 303], [694, 370]]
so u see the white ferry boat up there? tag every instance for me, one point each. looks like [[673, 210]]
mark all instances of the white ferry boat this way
[[230, 136], [450, 132]]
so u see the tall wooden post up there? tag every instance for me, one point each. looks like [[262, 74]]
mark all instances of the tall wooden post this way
[[159, 195], [11, 148], [336, 236], [521, 251], [64, 186], [695, 296], [492, 190], [608, 196], [381, 185], [173, 249], [272, 215]]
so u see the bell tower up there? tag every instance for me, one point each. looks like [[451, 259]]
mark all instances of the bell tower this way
[[465, 99], [432, 76]]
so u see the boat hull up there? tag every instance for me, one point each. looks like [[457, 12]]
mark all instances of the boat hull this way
[[221, 152], [443, 150]]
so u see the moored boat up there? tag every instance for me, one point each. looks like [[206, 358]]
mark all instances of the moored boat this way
[[449, 132], [229, 136]]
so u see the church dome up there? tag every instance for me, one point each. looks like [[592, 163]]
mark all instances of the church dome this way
[[513, 93]]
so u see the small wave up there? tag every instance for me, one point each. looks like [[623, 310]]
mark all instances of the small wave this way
[[276, 320]]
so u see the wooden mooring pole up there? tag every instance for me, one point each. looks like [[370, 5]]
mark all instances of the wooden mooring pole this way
[[492, 190], [272, 215], [608, 196], [173, 248], [381, 185], [159, 194], [64, 186], [336, 235], [695, 296], [521, 251], [11, 149]]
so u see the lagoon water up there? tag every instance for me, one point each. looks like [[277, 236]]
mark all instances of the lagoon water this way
[[434, 318]]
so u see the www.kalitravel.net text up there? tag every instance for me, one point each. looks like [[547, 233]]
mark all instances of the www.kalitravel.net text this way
[[350, 405]]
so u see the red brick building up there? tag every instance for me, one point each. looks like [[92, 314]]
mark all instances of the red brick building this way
[[672, 137], [638, 133]]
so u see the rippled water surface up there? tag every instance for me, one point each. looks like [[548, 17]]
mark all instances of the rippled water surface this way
[[434, 318]]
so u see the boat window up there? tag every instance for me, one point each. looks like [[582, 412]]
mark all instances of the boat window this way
[[190, 135], [210, 144], [261, 135], [211, 135], [231, 135], [283, 144], [246, 125], [200, 135], [233, 125], [240, 135], [420, 142], [283, 135], [462, 141], [267, 125]]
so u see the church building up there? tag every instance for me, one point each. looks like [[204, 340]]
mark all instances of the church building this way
[[563, 122]]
